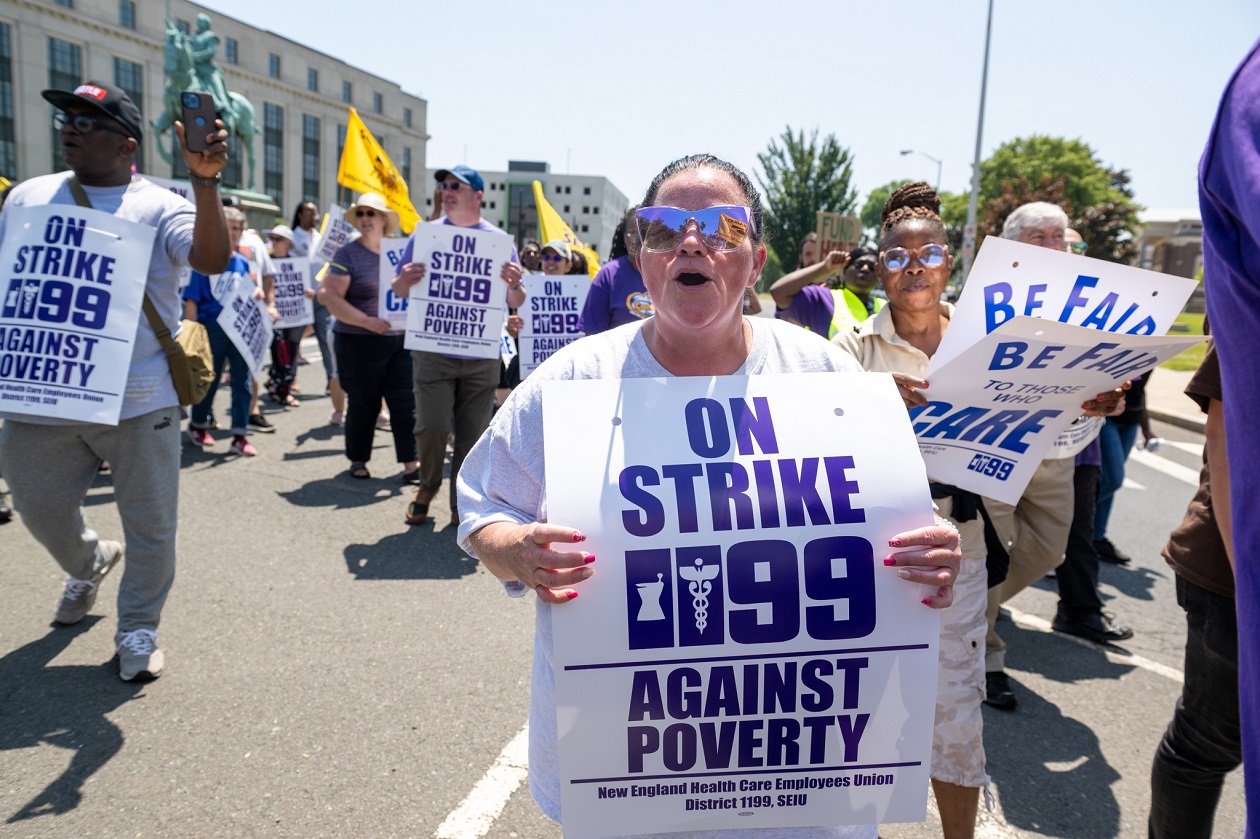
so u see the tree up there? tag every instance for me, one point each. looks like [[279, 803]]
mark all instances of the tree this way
[[800, 178], [875, 202], [1097, 199]]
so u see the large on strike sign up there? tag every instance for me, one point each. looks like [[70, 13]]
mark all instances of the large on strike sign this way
[[741, 658]]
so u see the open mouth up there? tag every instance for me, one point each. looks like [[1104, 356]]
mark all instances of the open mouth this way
[[691, 278]]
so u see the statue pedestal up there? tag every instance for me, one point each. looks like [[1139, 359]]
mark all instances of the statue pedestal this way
[[260, 210]]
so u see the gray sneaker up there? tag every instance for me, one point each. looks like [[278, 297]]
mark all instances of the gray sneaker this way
[[138, 655], [79, 595]]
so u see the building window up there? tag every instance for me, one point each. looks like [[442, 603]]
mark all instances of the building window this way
[[127, 13], [586, 228], [557, 190], [595, 210], [586, 190], [310, 158], [406, 166], [184, 26], [232, 169], [273, 65], [8, 132], [345, 91], [65, 71], [586, 211], [312, 79], [407, 117], [130, 77], [492, 205], [566, 208], [428, 202], [273, 150], [567, 190], [378, 103], [229, 50]]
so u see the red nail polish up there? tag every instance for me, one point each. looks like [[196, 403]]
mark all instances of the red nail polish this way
[[896, 543], [579, 537], [888, 560], [574, 594], [590, 558], [925, 601]]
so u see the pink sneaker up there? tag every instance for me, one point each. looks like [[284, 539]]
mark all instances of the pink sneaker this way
[[200, 437], [242, 447]]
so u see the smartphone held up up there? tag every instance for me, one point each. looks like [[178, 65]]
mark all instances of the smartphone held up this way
[[198, 118]]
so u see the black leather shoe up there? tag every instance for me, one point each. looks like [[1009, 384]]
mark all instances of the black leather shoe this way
[[1108, 552], [998, 693], [1100, 630]]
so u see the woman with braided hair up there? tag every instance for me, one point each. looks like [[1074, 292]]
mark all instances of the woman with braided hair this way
[[831, 295], [913, 265]]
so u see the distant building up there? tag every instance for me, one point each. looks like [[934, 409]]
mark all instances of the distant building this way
[[589, 204], [1171, 242], [301, 97]]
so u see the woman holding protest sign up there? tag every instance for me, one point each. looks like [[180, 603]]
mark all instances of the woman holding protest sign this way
[[914, 263], [371, 359], [282, 375], [697, 281]]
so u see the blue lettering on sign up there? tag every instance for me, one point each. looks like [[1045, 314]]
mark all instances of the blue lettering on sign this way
[[56, 301], [394, 303], [461, 287], [1005, 428], [754, 593]]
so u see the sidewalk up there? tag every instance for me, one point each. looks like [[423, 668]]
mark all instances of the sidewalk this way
[[1167, 402]]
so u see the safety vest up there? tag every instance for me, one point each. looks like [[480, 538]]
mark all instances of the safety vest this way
[[848, 310]]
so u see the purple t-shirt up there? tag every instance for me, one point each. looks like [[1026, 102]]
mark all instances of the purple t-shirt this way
[[617, 297], [1229, 199], [812, 307], [364, 292]]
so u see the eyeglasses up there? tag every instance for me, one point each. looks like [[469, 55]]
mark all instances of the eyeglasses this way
[[929, 256], [453, 187], [721, 228], [365, 213], [84, 123], [1077, 248], [551, 257]]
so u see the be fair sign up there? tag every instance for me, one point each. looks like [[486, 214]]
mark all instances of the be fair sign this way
[[741, 658], [390, 306], [997, 409], [551, 313], [461, 304], [69, 307]]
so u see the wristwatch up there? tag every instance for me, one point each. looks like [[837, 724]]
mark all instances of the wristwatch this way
[[204, 181]]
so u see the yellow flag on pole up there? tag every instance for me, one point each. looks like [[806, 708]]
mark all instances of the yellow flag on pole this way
[[552, 227], [365, 167]]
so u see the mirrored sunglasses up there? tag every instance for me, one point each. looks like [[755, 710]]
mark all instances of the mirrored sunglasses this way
[[1078, 248], [929, 256], [84, 123], [721, 228]]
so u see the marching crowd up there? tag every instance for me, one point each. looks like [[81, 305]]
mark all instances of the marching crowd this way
[[670, 301]]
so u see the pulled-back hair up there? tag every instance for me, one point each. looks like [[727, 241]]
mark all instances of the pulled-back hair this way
[[708, 161], [916, 201], [625, 235]]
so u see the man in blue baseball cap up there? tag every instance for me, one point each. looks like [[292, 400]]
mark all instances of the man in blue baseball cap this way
[[449, 386]]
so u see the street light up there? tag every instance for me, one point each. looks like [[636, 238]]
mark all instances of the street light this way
[[935, 160], [969, 232]]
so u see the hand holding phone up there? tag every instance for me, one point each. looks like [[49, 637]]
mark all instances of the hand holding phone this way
[[198, 111]]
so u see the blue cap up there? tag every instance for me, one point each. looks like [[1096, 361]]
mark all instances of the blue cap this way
[[463, 173]]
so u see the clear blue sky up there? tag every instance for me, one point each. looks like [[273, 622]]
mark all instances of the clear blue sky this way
[[623, 88]]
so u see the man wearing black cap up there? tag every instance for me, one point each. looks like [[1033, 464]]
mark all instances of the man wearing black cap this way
[[449, 386], [49, 462]]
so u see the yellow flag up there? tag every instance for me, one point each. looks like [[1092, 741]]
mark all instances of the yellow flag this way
[[365, 167], [552, 227]]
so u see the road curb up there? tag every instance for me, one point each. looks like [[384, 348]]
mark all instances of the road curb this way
[[1187, 421]]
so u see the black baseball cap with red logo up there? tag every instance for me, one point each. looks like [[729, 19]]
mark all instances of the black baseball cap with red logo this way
[[107, 99]]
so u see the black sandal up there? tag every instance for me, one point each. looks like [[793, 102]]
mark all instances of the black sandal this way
[[359, 471]]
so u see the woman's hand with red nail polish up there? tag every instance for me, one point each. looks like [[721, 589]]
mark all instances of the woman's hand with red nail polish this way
[[522, 552], [932, 556]]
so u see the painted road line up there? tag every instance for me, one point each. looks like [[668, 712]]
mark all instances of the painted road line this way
[[1160, 464], [1027, 621], [476, 814]]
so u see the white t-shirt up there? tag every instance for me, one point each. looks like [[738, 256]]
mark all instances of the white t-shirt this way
[[149, 386], [502, 480]]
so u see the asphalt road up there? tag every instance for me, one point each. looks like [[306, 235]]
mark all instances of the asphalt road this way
[[332, 672]]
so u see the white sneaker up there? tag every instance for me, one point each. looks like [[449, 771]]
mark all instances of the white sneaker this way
[[79, 595], [138, 655]]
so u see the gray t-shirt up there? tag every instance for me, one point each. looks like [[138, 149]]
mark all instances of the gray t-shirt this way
[[149, 386], [502, 480]]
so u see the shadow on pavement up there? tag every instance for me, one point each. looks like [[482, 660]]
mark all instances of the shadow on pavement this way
[[64, 707], [344, 493], [1136, 582], [1029, 754], [320, 433], [419, 553], [1028, 652]]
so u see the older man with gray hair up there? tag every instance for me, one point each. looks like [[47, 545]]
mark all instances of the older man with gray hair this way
[[1036, 529]]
